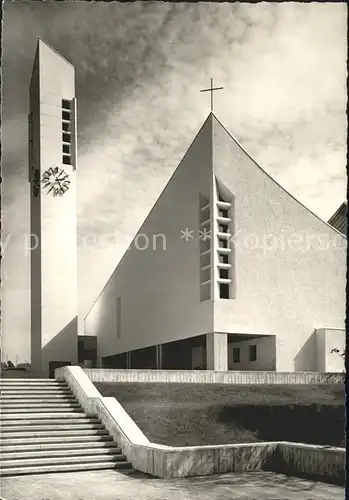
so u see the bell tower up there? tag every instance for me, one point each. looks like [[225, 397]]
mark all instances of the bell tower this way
[[53, 214]]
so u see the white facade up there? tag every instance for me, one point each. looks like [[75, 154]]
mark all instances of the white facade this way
[[281, 269], [53, 155], [330, 347]]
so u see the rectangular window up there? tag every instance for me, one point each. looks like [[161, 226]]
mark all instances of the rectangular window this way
[[65, 104], [253, 352], [31, 154], [66, 126], [66, 137], [223, 228], [224, 258], [223, 213], [118, 318], [223, 290], [236, 354], [204, 247], [66, 149], [66, 115], [66, 160], [224, 273], [222, 243]]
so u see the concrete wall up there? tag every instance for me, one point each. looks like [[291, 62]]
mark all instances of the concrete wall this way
[[290, 265], [212, 377], [56, 268], [217, 351], [35, 219], [160, 288], [328, 339], [266, 354], [319, 462], [320, 350]]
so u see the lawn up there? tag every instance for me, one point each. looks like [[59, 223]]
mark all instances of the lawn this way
[[206, 414]]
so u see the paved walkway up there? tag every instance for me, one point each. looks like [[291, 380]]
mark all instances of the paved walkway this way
[[113, 485]]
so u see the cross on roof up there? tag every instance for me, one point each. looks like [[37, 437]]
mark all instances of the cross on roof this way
[[211, 89]]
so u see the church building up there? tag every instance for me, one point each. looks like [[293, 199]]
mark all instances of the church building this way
[[228, 271]]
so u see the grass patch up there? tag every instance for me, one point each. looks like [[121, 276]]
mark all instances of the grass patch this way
[[206, 414]]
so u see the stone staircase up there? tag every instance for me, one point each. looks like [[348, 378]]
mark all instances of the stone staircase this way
[[44, 429]]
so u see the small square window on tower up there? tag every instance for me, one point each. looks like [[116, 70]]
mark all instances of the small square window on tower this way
[[224, 273], [66, 115], [66, 149], [224, 291], [223, 228], [222, 243], [66, 137], [65, 104], [224, 258], [222, 212], [66, 160]]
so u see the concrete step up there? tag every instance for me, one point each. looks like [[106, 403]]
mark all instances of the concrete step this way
[[31, 381], [65, 447], [53, 439], [34, 403], [15, 392], [35, 397], [34, 394], [39, 469], [61, 427], [25, 380], [45, 415], [62, 434], [48, 422], [46, 409], [40, 407], [43, 429], [28, 401], [61, 460], [14, 455]]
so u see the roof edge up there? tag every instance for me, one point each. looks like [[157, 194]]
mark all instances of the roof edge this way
[[276, 182], [54, 50]]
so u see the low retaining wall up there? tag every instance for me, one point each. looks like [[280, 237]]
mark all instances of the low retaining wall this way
[[167, 461], [213, 377], [322, 463]]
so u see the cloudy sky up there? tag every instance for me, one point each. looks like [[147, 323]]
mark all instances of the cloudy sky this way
[[139, 71]]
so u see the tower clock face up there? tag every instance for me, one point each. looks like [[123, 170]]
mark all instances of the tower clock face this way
[[55, 181]]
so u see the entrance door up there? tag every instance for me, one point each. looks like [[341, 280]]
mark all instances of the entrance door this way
[[53, 365]]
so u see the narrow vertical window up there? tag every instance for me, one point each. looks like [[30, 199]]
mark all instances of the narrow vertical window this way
[[224, 246], [253, 352], [30, 146], [205, 247], [118, 318], [66, 132], [236, 355]]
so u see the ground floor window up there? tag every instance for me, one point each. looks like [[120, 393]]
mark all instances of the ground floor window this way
[[253, 352], [236, 355]]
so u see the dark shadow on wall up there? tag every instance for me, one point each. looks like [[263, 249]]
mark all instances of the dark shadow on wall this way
[[312, 424], [63, 347], [305, 360]]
